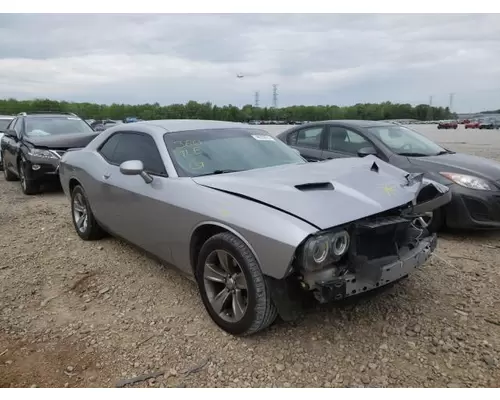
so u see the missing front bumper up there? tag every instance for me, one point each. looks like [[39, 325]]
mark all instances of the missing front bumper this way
[[351, 284]]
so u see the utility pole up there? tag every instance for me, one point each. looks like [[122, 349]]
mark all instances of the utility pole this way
[[275, 95], [257, 98]]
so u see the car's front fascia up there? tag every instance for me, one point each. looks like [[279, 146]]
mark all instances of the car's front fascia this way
[[369, 253], [43, 162], [473, 208]]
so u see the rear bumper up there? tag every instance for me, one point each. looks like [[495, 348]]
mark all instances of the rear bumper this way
[[352, 284], [473, 209]]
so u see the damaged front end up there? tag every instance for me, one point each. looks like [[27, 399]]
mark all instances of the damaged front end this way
[[371, 252]]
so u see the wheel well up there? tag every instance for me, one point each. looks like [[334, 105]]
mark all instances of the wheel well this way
[[200, 236], [72, 183]]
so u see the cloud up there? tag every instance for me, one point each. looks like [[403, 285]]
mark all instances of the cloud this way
[[314, 58]]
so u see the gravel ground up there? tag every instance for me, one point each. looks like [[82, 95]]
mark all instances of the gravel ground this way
[[83, 314]]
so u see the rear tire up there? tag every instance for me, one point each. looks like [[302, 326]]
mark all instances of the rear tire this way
[[225, 266], [83, 219]]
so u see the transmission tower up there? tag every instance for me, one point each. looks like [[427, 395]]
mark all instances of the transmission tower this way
[[275, 95], [256, 101], [429, 110], [451, 101]]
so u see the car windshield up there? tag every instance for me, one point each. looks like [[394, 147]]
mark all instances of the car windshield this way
[[46, 126], [406, 142], [215, 151], [4, 123]]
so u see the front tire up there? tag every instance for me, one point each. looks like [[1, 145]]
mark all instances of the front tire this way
[[232, 286], [9, 176], [28, 186], [83, 219]]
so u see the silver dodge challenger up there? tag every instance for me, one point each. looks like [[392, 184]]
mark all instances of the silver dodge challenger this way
[[257, 227]]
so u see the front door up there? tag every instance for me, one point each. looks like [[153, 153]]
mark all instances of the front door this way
[[343, 142], [132, 208]]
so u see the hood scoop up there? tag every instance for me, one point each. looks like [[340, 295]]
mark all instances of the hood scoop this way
[[309, 187]]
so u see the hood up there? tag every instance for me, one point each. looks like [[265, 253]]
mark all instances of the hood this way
[[62, 142], [460, 163], [325, 194]]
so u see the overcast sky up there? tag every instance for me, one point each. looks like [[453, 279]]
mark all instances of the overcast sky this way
[[315, 59]]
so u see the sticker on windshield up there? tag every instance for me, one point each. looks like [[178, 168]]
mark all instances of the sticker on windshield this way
[[263, 137], [73, 118]]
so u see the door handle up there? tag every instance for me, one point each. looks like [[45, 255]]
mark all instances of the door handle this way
[[106, 175]]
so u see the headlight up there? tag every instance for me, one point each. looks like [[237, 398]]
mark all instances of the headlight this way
[[41, 153], [468, 181], [324, 249]]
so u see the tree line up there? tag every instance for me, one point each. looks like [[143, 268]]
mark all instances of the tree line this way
[[195, 110]]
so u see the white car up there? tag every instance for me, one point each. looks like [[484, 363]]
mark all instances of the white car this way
[[4, 122]]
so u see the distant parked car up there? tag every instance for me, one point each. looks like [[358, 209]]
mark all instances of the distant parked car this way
[[4, 122], [447, 125], [472, 125], [489, 124], [34, 143], [474, 181]]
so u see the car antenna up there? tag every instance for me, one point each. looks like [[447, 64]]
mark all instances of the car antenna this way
[[374, 167]]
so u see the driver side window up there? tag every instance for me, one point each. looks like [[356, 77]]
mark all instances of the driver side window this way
[[345, 141], [125, 146]]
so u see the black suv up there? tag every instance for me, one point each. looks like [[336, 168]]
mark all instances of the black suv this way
[[33, 144]]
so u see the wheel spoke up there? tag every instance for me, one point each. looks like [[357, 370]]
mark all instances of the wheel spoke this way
[[219, 301], [214, 273], [238, 305], [240, 281], [80, 221], [78, 207], [223, 260]]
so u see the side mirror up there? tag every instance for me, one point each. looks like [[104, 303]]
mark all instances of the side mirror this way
[[135, 167], [367, 151]]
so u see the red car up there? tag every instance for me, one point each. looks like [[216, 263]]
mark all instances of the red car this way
[[472, 125], [447, 125]]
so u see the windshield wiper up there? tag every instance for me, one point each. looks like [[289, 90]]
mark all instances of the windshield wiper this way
[[409, 154], [221, 171]]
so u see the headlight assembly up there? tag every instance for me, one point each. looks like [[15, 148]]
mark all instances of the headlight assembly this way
[[41, 153], [468, 181], [324, 249]]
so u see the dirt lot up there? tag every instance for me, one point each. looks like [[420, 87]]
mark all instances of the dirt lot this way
[[82, 314]]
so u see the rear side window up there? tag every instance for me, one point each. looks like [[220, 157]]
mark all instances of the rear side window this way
[[309, 137], [126, 146], [108, 148]]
